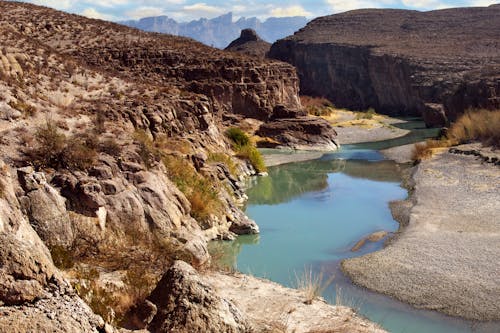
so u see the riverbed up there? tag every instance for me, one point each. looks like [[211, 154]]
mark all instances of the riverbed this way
[[312, 213]]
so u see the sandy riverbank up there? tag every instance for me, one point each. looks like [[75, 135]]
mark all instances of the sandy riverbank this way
[[446, 258], [355, 127]]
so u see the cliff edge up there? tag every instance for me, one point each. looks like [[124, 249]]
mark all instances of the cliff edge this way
[[400, 62]]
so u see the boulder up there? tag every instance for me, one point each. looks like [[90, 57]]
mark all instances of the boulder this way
[[187, 303]]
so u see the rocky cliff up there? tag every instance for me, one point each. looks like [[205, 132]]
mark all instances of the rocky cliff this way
[[400, 62], [114, 161]]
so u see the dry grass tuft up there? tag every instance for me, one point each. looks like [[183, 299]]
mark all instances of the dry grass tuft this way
[[477, 125], [312, 284], [474, 125], [200, 191], [317, 106]]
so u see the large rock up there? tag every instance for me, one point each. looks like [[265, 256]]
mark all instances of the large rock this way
[[249, 43], [46, 209], [400, 62], [301, 133], [187, 303]]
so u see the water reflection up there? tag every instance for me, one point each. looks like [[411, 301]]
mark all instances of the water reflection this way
[[289, 181]]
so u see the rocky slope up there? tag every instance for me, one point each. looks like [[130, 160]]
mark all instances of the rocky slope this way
[[221, 30], [435, 64], [249, 43], [114, 161]]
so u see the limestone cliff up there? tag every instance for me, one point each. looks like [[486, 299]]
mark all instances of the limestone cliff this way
[[400, 62]]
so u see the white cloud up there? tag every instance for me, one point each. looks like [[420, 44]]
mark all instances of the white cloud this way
[[57, 4], [295, 10], [482, 3], [426, 4], [107, 3], [92, 13], [343, 5], [144, 12], [202, 9]]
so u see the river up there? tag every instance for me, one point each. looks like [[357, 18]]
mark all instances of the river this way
[[312, 213]]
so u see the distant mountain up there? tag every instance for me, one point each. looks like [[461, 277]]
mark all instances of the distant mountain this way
[[220, 31]]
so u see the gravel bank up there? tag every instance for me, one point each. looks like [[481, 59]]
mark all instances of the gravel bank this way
[[446, 259]]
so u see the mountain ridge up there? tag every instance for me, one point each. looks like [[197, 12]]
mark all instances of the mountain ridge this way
[[221, 30]]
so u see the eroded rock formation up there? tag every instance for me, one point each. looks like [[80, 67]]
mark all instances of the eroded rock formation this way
[[249, 43], [435, 64]]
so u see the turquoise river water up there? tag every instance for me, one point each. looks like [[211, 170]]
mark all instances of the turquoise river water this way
[[312, 213]]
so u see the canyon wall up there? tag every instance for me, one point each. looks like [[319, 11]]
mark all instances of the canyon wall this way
[[436, 64]]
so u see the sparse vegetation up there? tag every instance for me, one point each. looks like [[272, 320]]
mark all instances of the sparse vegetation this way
[[368, 114], [27, 109], [317, 106], [312, 284], [111, 147], [200, 191], [474, 125], [223, 158], [477, 125], [245, 148]]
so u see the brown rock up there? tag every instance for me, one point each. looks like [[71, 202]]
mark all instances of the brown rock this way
[[301, 133], [249, 43], [186, 303], [397, 61]]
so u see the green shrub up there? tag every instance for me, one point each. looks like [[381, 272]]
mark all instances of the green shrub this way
[[251, 153], [245, 148], [238, 137]]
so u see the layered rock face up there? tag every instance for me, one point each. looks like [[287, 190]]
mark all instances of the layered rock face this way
[[114, 160], [435, 64], [249, 43]]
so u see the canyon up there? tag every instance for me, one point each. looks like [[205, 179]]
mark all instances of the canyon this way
[[434, 64]]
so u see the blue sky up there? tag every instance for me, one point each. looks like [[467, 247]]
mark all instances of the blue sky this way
[[184, 10]]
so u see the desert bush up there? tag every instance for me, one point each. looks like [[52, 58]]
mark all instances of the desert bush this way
[[251, 153], [200, 191], [54, 150], [476, 125], [147, 150], [27, 109], [317, 106], [111, 147], [245, 148]]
